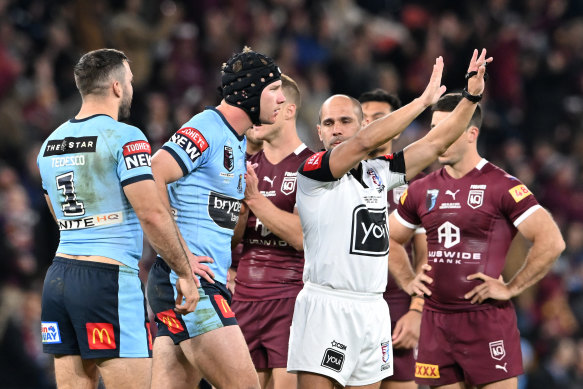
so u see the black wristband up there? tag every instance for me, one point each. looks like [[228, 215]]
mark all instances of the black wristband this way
[[473, 98]]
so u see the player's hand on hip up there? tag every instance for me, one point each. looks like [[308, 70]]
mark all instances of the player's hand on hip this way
[[434, 89], [418, 286], [186, 290], [251, 182], [407, 330], [197, 264], [478, 64], [493, 288]]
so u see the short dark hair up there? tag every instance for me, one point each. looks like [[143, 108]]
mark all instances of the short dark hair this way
[[95, 69], [382, 96], [291, 91], [448, 102]]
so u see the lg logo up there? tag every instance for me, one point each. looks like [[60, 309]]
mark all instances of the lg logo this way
[[448, 234]]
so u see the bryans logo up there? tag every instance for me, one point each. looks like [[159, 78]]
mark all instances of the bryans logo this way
[[224, 210], [370, 234]]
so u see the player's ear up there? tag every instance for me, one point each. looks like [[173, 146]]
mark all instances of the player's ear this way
[[117, 88], [473, 133], [290, 111], [319, 132]]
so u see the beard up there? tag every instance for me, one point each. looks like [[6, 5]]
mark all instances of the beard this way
[[124, 108]]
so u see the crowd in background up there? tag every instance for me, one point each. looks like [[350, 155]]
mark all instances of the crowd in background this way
[[533, 126]]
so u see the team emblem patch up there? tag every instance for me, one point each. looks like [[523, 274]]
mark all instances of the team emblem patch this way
[[50, 332], [404, 196], [431, 198], [333, 360], [376, 179], [228, 160], [288, 185], [475, 198], [424, 370], [497, 350], [386, 355]]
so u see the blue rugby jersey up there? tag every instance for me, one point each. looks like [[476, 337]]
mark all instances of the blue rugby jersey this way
[[84, 165], [206, 201]]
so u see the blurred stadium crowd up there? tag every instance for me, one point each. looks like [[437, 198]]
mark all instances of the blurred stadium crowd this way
[[533, 117]]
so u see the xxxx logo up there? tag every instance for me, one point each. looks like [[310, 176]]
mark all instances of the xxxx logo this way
[[423, 370]]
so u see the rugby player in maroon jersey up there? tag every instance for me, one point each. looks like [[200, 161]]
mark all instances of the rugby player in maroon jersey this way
[[471, 210]]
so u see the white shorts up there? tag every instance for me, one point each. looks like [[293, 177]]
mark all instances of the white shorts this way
[[343, 335]]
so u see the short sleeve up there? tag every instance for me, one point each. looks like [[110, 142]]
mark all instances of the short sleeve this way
[[517, 201], [393, 167], [134, 157], [189, 147], [406, 212]]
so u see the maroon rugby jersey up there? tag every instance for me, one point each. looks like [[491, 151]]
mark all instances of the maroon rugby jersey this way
[[470, 223], [269, 268]]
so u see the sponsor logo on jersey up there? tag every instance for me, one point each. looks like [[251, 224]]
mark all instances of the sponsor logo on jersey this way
[[404, 196], [223, 306], [386, 354], [103, 219], [376, 180], [370, 234], [71, 145], [171, 321], [74, 160], [228, 159], [240, 184], [100, 336], [448, 234], [50, 333], [314, 162], [333, 359], [398, 192], [497, 350], [191, 141], [452, 194], [224, 210], [431, 198], [288, 185], [519, 192], [424, 370], [476, 196], [338, 345], [137, 154], [269, 179]]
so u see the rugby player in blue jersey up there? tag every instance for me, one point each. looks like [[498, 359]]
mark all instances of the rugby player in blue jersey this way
[[99, 186], [201, 173]]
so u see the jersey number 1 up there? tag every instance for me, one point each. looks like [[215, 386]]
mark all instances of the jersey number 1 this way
[[71, 207]]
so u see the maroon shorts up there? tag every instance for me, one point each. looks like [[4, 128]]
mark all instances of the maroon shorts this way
[[477, 347], [266, 325], [404, 359]]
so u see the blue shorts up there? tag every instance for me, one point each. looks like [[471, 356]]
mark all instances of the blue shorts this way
[[212, 311], [96, 310]]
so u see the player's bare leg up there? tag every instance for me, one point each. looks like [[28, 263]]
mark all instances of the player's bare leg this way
[[208, 353], [398, 385], [376, 385], [265, 378], [170, 365], [73, 372], [509, 383], [314, 381], [125, 373], [281, 379], [457, 385]]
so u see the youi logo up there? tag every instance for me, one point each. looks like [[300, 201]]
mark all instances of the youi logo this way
[[50, 332]]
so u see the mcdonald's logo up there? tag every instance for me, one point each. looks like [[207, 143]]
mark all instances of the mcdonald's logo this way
[[100, 336], [171, 321], [149, 336], [223, 305]]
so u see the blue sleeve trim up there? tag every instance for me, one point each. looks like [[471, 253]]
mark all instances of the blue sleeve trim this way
[[135, 179], [177, 158]]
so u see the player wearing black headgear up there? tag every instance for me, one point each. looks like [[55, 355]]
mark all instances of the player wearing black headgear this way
[[244, 77], [200, 173]]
